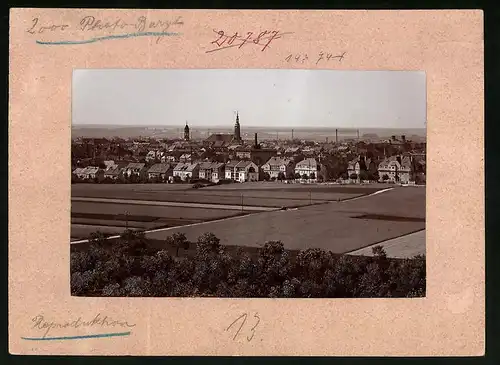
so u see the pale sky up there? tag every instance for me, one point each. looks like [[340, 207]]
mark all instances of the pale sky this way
[[264, 98]]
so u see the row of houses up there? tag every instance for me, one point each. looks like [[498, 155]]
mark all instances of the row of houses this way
[[399, 168], [237, 170], [395, 168], [277, 167], [240, 171]]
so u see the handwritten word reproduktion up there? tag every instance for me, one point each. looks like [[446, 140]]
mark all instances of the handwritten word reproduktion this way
[[40, 323]]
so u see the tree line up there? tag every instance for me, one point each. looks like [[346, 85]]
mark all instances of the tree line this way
[[132, 266]]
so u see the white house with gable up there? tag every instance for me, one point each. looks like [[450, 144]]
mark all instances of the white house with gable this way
[[308, 169]]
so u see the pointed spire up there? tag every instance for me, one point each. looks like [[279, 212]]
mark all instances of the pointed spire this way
[[186, 132], [237, 132]]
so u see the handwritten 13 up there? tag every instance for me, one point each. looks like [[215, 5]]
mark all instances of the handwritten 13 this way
[[250, 329], [262, 39]]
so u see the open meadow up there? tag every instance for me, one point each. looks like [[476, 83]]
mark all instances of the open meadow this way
[[264, 194], [112, 217], [336, 226], [331, 217]]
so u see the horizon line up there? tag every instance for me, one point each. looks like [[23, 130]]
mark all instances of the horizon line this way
[[229, 127]]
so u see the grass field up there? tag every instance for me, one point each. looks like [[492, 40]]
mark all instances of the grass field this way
[[326, 187], [110, 218], [344, 220], [254, 194], [338, 227], [400, 247]]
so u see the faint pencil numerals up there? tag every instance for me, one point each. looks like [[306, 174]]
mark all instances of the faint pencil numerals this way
[[245, 325], [298, 58], [320, 57]]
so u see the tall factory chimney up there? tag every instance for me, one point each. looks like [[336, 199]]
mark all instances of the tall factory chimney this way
[[256, 143], [336, 136], [292, 134]]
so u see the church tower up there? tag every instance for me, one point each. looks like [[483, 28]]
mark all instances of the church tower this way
[[186, 132], [237, 131]]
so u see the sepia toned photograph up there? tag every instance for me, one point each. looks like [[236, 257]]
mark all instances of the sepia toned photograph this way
[[248, 183]]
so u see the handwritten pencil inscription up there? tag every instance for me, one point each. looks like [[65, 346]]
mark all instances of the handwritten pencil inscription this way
[[224, 40], [140, 27], [46, 326], [320, 57], [240, 324], [36, 27]]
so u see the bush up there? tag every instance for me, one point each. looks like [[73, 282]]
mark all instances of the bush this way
[[224, 181], [130, 267]]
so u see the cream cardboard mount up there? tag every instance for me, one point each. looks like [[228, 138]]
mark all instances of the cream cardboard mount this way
[[46, 45]]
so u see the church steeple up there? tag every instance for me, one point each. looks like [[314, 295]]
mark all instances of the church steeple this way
[[186, 132], [237, 130]]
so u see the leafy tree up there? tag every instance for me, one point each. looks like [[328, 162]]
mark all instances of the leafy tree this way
[[133, 243], [113, 290], [266, 176], [281, 176], [208, 243], [133, 179], [312, 176], [378, 251], [312, 262], [373, 176], [178, 240], [74, 179], [297, 175], [305, 176], [273, 267], [385, 177], [137, 286], [363, 175], [353, 176]]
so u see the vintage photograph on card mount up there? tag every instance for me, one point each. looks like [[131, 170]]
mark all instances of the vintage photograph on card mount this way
[[248, 183]]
